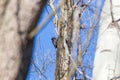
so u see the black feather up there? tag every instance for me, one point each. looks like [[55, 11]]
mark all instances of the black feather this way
[[54, 41]]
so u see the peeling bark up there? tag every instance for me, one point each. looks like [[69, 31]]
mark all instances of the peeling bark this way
[[64, 43]]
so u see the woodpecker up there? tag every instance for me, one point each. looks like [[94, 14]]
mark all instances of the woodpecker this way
[[54, 41]]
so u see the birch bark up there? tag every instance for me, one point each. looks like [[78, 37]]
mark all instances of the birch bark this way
[[107, 56]]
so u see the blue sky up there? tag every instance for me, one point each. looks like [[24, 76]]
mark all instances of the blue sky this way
[[43, 46]]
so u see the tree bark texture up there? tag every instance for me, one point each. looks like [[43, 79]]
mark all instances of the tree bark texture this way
[[107, 56], [64, 43], [17, 19]]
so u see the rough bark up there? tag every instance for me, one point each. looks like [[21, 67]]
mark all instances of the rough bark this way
[[107, 56], [64, 43], [17, 19]]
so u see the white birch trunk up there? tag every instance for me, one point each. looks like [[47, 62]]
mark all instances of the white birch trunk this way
[[107, 56]]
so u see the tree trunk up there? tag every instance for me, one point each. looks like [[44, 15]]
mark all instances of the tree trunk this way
[[64, 43], [107, 56], [17, 19]]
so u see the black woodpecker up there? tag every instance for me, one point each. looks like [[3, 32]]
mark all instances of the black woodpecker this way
[[54, 41]]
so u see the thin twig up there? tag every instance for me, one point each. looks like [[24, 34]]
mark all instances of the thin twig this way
[[54, 11], [80, 56], [75, 5], [51, 20], [37, 69], [111, 8], [87, 43], [41, 26], [80, 72]]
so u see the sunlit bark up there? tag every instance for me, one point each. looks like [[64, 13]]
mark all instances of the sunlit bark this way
[[64, 43], [107, 56]]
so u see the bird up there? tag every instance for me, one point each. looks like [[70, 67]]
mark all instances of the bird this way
[[54, 41]]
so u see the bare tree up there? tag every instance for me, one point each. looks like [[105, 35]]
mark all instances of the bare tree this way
[[17, 19], [68, 29], [106, 64]]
